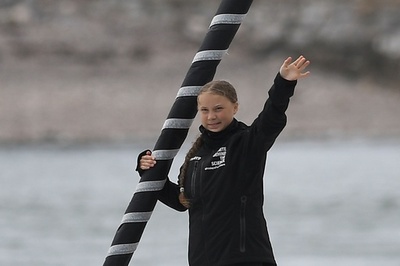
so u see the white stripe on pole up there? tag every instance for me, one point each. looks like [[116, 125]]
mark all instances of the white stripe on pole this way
[[165, 154], [136, 217], [209, 55], [122, 249], [150, 186], [227, 19], [177, 123], [188, 91]]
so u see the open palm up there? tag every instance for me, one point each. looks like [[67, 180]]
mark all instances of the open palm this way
[[294, 70]]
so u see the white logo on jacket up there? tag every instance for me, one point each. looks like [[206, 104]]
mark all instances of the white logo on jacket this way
[[219, 161]]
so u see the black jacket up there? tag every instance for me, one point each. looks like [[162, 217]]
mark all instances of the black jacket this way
[[224, 183]]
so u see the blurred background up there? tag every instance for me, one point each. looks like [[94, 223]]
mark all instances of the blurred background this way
[[86, 85]]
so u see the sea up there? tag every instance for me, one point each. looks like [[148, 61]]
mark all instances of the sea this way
[[327, 202]]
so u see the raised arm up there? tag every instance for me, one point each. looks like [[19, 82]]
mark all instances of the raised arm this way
[[272, 118]]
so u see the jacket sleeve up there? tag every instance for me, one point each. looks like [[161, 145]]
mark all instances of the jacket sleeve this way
[[272, 119], [169, 195]]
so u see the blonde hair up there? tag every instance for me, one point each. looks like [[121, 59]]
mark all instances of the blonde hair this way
[[221, 87], [218, 87]]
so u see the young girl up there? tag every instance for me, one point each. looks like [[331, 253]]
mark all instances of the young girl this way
[[221, 179]]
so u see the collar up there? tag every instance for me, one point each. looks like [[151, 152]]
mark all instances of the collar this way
[[218, 137]]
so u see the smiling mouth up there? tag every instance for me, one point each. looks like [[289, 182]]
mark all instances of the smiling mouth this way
[[214, 124]]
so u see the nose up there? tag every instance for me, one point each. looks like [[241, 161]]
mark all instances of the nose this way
[[211, 115]]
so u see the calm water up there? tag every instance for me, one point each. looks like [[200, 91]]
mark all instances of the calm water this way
[[327, 203]]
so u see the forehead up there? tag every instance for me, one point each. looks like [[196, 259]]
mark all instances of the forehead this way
[[207, 98]]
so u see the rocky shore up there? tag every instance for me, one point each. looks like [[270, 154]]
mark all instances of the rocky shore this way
[[63, 102], [95, 71], [353, 37]]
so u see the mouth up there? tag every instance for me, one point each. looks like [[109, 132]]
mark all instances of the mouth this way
[[213, 125]]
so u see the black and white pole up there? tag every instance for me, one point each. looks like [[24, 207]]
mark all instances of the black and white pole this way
[[222, 30]]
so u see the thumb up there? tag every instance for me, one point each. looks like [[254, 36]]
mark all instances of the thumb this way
[[287, 62]]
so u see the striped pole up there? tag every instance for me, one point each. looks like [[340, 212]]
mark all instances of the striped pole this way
[[222, 30]]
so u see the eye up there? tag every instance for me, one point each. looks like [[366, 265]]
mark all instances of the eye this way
[[203, 110], [219, 108]]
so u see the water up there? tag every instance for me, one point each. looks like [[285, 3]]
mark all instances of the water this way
[[327, 203]]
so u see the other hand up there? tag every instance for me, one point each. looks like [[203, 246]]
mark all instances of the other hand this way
[[147, 161]]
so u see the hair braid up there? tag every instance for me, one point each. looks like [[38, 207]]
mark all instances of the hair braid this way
[[181, 181]]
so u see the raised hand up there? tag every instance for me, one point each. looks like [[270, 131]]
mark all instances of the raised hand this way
[[294, 70]]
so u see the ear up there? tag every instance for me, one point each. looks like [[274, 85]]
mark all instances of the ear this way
[[235, 108]]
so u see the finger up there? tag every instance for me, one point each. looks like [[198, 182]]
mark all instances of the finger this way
[[303, 64], [298, 60], [288, 61], [305, 74], [149, 161], [145, 160], [148, 158], [153, 160], [144, 167]]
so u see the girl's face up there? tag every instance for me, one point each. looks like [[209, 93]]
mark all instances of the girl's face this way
[[216, 111]]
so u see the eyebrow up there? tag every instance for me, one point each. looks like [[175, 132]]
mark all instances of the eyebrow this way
[[215, 106]]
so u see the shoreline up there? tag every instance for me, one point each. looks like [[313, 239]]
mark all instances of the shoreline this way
[[52, 101]]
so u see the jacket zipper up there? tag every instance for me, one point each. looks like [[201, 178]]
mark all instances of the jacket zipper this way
[[193, 183], [243, 201], [204, 228]]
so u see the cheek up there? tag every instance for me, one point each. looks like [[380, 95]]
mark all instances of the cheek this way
[[203, 117], [228, 114]]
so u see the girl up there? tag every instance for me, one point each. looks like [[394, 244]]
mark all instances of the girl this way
[[221, 179]]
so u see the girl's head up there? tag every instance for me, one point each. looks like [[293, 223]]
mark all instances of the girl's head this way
[[217, 103]]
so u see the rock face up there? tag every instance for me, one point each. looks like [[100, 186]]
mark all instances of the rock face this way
[[108, 70], [359, 37]]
